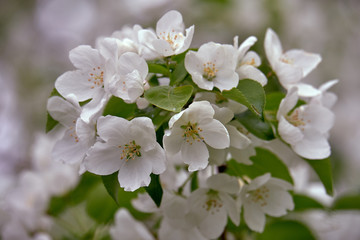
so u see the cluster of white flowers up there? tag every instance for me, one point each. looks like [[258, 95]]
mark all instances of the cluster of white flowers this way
[[200, 138]]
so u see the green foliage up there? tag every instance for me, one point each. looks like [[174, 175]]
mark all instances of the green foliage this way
[[263, 162], [303, 203], [249, 93], [158, 68], [272, 105], [347, 202], [285, 230], [155, 190], [323, 169], [112, 185], [169, 98], [117, 107], [255, 125]]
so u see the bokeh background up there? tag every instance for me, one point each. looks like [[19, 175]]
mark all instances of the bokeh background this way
[[36, 36]]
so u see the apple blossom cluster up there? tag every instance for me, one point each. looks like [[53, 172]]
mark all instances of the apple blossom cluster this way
[[190, 126]]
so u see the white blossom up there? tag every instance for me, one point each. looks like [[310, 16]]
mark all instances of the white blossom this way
[[169, 38], [191, 131], [213, 65], [306, 127], [291, 66], [265, 195], [129, 147]]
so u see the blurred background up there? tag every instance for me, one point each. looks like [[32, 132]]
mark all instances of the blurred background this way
[[36, 36]]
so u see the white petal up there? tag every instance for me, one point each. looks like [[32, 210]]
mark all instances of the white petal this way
[[195, 154], [173, 140], [85, 132], [319, 117], [135, 173], [215, 134], [92, 110], [245, 46], [313, 146], [157, 157], [187, 40], [226, 79], [63, 111], [273, 48], [130, 61], [113, 129], [288, 103], [289, 132], [254, 217], [198, 111], [278, 202], [217, 156], [306, 90], [251, 58], [243, 155], [223, 183], [68, 150], [223, 114], [103, 159], [75, 82], [250, 72], [237, 139], [259, 181], [326, 86], [231, 207], [172, 20], [306, 61], [85, 57], [288, 74], [214, 223]]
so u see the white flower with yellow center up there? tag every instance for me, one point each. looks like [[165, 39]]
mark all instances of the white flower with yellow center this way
[[87, 82], [211, 206], [169, 38], [306, 127], [129, 147], [191, 131], [291, 66], [213, 65], [265, 195]]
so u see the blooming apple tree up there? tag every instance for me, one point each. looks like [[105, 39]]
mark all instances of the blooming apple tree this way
[[183, 137]]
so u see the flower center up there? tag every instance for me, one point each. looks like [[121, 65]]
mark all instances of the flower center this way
[[259, 196], [209, 70], [172, 38], [130, 151], [97, 77], [213, 203], [296, 119], [191, 133]]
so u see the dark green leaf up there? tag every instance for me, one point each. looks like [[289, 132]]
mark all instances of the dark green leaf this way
[[249, 93], [155, 190], [255, 125], [303, 202], [285, 230], [347, 202], [112, 185], [194, 182], [178, 74], [272, 105], [263, 162], [158, 68], [169, 98], [117, 107], [323, 169]]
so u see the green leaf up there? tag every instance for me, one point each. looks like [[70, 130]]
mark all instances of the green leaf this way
[[112, 185], [117, 107], [179, 74], [249, 93], [285, 230], [194, 182], [158, 68], [323, 169], [255, 125], [303, 202], [263, 162], [272, 105], [155, 190], [347, 202], [169, 98], [99, 205]]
